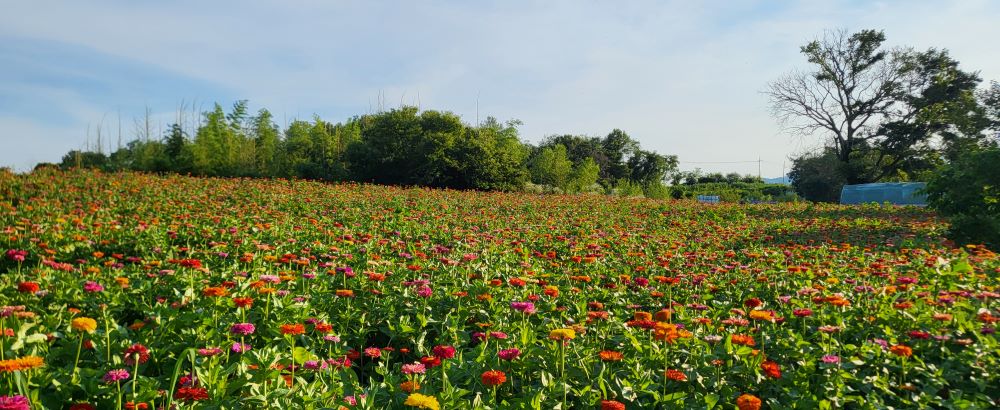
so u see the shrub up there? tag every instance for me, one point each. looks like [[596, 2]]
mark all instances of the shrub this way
[[967, 192]]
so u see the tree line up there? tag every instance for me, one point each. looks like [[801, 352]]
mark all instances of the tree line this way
[[403, 146]]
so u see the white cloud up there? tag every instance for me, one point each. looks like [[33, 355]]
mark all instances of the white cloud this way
[[681, 76]]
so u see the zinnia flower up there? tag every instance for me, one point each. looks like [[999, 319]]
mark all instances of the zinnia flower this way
[[443, 352], [293, 329], [14, 403], [92, 287], [240, 347], [676, 375], [492, 378], [21, 364], [901, 350], [115, 375], [771, 369], [748, 402], [28, 287], [422, 402], [242, 329], [610, 356], [409, 386], [562, 334], [136, 351], [509, 354], [191, 393], [612, 405], [84, 324], [414, 368]]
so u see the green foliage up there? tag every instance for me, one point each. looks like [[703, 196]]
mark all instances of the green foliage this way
[[552, 167], [584, 175], [818, 178], [403, 146], [736, 191], [967, 192]]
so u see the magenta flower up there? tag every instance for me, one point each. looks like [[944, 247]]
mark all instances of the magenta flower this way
[[92, 287], [240, 347], [242, 329], [525, 307], [509, 354], [14, 403], [424, 291], [831, 359], [209, 351], [116, 375]]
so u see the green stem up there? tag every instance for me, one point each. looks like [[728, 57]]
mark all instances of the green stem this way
[[135, 377], [76, 361]]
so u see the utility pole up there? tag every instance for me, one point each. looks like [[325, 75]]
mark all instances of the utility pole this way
[[758, 169]]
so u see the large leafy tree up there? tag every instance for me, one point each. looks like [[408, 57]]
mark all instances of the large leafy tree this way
[[552, 167], [404, 146], [883, 112]]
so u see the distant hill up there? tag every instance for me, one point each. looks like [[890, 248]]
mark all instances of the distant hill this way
[[779, 180]]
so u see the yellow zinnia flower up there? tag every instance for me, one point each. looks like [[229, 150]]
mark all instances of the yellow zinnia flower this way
[[84, 324], [562, 334], [422, 401]]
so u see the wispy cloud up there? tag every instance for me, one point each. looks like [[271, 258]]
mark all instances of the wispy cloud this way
[[682, 77]]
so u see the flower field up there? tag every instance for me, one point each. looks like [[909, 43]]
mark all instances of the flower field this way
[[142, 292]]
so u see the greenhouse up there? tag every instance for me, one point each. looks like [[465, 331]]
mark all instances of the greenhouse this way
[[894, 193]]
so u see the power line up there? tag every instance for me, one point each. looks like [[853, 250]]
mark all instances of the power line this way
[[720, 162]]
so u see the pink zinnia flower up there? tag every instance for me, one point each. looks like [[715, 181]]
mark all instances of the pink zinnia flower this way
[[509, 354], [92, 287], [116, 375], [14, 403], [414, 368], [242, 329]]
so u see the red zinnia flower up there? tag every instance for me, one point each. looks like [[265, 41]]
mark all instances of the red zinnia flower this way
[[28, 287], [136, 351], [612, 405], [430, 361], [493, 378], [293, 329], [771, 369], [443, 352], [190, 394]]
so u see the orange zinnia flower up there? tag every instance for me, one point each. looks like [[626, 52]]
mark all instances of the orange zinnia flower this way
[[676, 375], [748, 402], [610, 356], [409, 386], [666, 332], [743, 340], [216, 291], [901, 350], [761, 315], [293, 329], [21, 364]]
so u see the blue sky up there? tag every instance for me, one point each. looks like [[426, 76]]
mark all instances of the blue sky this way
[[682, 77]]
